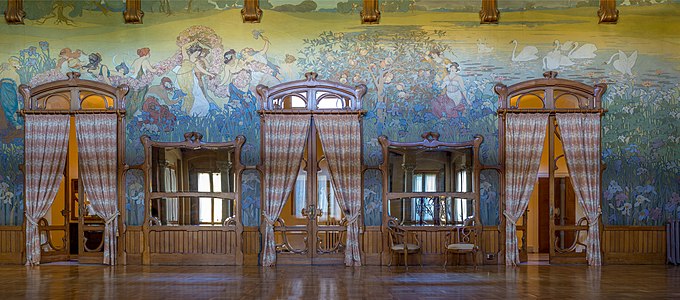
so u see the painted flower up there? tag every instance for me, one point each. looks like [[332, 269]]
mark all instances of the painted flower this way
[[655, 214], [647, 84], [641, 171], [363, 52], [44, 46], [640, 200], [625, 209], [643, 214]]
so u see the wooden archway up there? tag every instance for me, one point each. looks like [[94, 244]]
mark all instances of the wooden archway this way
[[549, 95]]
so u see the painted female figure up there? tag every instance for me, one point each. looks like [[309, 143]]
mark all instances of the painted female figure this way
[[195, 102], [141, 65], [451, 101]]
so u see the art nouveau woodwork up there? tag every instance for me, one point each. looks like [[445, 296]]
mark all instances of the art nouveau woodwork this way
[[14, 14], [77, 96], [608, 13], [251, 12], [546, 95], [370, 13], [12, 244], [311, 240], [184, 244], [133, 13], [634, 245], [489, 13], [432, 237]]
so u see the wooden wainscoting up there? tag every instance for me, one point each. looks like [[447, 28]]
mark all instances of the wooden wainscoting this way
[[194, 245], [133, 239], [633, 245], [371, 245], [490, 245], [12, 245], [251, 245]]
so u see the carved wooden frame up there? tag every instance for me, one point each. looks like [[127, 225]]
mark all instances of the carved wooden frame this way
[[251, 12], [608, 13], [370, 13], [35, 102], [133, 13], [15, 12], [192, 140], [489, 13], [589, 101]]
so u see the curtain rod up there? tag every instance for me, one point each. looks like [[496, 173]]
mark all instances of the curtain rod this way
[[503, 111], [24, 112], [311, 112]]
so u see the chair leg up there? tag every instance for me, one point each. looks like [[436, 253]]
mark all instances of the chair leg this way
[[389, 264], [420, 258], [406, 257], [446, 258]]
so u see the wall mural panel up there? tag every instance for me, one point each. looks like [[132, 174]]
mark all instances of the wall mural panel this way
[[429, 66]]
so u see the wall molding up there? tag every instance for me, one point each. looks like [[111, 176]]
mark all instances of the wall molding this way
[[370, 13], [489, 13], [251, 12], [133, 13], [608, 13], [15, 12]]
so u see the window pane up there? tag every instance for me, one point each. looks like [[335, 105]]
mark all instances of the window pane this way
[[204, 182], [217, 211], [300, 193], [205, 210], [217, 182]]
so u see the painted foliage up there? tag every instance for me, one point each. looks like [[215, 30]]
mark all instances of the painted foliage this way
[[194, 66]]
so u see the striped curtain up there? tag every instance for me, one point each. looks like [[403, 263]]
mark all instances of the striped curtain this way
[[98, 161], [284, 138], [341, 140], [525, 134], [46, 147], [581, 142]]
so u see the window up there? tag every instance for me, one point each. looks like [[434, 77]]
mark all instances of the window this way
[[423, 208], [172, 204], [210, 209]]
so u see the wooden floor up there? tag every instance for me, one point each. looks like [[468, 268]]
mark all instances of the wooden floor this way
[[63, 281]]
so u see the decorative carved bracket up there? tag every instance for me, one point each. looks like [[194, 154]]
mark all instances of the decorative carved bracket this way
[[251, 12], [15, 12], [430, 136], [489, 13], [370, 14], [608, 13], [133, 13], [193, 137]]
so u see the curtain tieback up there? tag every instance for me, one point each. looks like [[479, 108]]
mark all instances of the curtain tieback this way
[[31, 220], [353, 219], [507, 215], [111, 218]]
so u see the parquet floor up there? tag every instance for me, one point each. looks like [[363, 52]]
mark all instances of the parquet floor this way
[[336, 282]]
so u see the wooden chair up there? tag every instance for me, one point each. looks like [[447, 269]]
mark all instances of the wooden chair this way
[[461, 240], [399, 244]]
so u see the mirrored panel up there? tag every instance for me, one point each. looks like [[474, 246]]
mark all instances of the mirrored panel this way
[[440, 211], [192, 170], [416, 170], [206, 211]]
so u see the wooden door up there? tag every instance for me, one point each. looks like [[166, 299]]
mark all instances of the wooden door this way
[[311, 228]]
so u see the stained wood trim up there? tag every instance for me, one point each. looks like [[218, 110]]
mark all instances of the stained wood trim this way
[[133, 13], [470, 195], [634, 228], [370, 13], [15, 12], [251, 12], [608, 13], [489, 13]]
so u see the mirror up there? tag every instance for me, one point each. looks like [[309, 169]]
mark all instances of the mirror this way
[[207, 211], [176, 169], [437, 210], [418, 170]]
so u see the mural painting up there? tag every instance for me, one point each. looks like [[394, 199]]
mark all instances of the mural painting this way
[[429, 66]]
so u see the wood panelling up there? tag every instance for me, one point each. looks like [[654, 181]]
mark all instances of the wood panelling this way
[[194, 245], [371, 245], [490, 245], [132, 245], [11, 244], [634, 244]]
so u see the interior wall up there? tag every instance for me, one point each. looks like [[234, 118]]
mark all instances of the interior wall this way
[[407, 62]]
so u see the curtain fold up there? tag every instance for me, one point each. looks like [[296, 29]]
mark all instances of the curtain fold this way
[[46, 145], [581, 142], [98, 162], [525, 134], [284, 144], [341, 140]]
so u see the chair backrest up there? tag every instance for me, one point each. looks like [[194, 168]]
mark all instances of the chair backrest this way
[[463, 235], [396, 234]]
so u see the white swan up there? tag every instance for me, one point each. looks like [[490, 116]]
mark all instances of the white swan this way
[[625, 63], [483, 48], [586, 51], [528, 53], [555, 59]]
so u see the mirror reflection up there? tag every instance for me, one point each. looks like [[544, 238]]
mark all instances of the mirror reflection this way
[[206, 211], [438, 210], [418, 170], [192, 170]]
